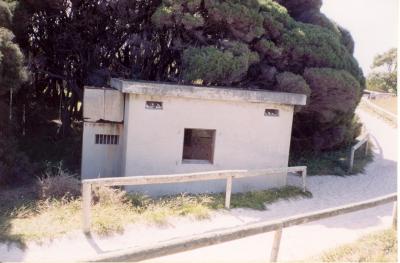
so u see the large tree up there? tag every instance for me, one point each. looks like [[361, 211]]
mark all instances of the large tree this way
[[13, 163], [275, 45], [384, 74]]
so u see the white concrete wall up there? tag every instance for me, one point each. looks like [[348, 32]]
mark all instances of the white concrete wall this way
[[102, 160], [245, 139]]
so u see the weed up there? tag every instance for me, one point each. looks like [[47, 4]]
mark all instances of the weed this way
[[39, 219], [58, 185], [377, 247]]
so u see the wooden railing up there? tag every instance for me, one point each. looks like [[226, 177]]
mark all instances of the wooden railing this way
[[380, 111], [229, 175], [221, 236], [353, 149]]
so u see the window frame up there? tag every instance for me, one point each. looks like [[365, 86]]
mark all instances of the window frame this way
[[200, 161]]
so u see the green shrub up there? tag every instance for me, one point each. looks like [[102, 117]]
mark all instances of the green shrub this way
[[328, 120], [290, 82], [212, 65]]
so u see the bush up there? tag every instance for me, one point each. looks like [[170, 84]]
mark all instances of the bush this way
[[289, 82], [328, 120], [104, 195], [59, 185], [213, 65]]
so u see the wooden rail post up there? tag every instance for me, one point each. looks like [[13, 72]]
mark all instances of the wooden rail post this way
[[304, 175], [351, 160], [355, 147], [276, 245], [394, 222], [86, 202], [228, 192]]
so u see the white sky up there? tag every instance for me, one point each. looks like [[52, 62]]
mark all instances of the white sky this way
[[372, 23]]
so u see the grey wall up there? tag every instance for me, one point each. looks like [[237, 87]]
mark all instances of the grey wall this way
[[245, 139], [101, 160], [151, 141]]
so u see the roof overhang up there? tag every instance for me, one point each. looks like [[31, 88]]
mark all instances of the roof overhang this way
[[206, 93]]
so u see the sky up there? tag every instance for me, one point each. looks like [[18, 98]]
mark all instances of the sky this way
[[372, 23]]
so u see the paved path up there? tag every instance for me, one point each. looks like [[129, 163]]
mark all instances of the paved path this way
[[298, 243], [304, 241]]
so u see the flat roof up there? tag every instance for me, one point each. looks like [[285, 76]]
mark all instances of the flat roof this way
[[207, 93]]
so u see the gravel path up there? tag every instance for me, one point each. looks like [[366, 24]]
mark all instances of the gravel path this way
[[298, 243]]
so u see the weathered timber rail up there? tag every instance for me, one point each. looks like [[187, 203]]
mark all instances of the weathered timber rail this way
[[380, 111], [229, 175], [353, 149], [217, 237]]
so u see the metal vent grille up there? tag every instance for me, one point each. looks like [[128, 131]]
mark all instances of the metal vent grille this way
[[154, 105], [106, 139], [271, 112]]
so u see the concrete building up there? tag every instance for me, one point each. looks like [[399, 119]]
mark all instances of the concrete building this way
[[144, 128]]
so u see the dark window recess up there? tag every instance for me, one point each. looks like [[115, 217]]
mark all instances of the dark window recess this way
[[154, 105], [198, 144], [271, 112], [106, 139]]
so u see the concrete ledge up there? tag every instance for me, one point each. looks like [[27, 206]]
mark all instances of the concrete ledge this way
[[207, 93]]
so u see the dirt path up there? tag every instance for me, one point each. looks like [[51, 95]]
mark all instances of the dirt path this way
[[298, 242]]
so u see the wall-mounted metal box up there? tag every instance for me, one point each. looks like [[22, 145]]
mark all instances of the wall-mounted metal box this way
[[103, 104]]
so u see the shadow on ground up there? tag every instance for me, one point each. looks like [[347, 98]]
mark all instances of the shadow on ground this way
[[12, 202]]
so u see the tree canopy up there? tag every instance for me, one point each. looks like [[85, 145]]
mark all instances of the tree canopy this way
[[281, 45], [384, 74], [12, 75], [12, 70]]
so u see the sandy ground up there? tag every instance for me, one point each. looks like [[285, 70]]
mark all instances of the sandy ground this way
[[298, 243]]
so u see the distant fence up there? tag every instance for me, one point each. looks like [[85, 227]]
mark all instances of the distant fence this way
[[229, 175], [221, 236], [378, 95], [380, 111]]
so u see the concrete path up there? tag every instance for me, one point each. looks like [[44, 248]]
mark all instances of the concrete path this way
[[298, 243]]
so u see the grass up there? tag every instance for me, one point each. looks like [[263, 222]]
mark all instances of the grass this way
[[334, 162], [25, 218], [377, 247]]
